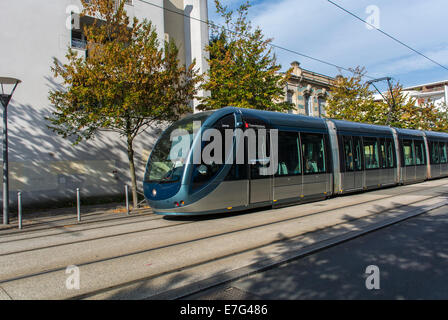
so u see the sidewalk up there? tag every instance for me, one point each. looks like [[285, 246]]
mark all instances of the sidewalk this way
[[61, 217]]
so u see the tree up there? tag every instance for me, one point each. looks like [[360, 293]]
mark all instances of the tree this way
[[351, 99], [243, 71], [407, 114], [127, 83]]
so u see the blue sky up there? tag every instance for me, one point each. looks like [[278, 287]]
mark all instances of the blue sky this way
[[319, 29]]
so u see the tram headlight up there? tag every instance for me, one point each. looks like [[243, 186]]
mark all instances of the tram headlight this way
[[154, 192]]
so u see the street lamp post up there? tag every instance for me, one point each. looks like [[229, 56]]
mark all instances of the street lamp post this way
[[5, 97]]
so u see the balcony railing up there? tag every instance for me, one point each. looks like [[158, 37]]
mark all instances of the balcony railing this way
[[79, 44], [117, 2]]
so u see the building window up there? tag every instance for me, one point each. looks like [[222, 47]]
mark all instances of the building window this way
[[289, 96], [321, 104], [78, 40], [308, 105]]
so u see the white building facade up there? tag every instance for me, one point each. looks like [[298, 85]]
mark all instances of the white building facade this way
[[435, 92], [42, 165]]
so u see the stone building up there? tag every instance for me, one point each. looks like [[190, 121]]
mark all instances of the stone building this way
[[308, 91]]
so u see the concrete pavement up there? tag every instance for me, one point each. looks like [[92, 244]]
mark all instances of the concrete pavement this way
[[412, 258], [148, 256]]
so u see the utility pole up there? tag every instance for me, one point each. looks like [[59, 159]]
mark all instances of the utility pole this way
[[4, 101], [392, 103]]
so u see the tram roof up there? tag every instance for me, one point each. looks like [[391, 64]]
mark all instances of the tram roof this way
[[350, 127], [286, 120], [436, 135], [409, 133]]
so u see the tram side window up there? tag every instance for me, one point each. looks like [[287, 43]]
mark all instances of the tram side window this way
[[383, 150], [371, 153], [261, 159], [288, 154], [237, 172], [348, 153], [204, 172], [434, 152], [408, 153], [443, 156], [357, 153], [420, 158], [390, 153], [313, 152]]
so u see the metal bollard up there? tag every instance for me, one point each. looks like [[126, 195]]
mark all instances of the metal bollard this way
[[78, 204], [19, 205], [126, 190]]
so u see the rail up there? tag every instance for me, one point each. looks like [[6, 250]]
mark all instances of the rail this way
[[129, 209]]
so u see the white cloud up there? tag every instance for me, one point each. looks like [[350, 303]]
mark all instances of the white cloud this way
[[318, 28]]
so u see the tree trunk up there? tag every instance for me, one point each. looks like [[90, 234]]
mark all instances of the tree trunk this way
[[132, 171]]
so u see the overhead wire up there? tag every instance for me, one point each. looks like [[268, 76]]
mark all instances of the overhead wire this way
[[271, 44]]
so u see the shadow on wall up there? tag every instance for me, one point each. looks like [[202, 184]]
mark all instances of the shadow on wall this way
[[47, 168]]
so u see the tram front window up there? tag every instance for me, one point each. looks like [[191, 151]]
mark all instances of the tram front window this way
[[168, 158], [203, 173]]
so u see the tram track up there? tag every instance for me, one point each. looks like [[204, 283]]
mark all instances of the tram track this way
[[196, 220], [74, 228], [206, 238], [72, 223], [173, 292]]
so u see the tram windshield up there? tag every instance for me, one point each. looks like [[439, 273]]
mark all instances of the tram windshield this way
[[168, 158]]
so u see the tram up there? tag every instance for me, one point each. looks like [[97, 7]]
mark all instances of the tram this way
[[298, 159]]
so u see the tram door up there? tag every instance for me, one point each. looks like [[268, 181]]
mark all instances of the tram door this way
[[358, 163], [352, 169], [260, 185], [409, 160], [316, 178]]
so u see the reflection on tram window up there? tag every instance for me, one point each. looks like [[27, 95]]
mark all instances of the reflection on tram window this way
[[383, 150], [288, 154], [357, 148], [408, 152], [204, 172], [168, 158], [442, 147], [348, 154], [390, 153], [420, 158], [313, 152], [262, 159], [371, 153], [434, 152], [237, 172]]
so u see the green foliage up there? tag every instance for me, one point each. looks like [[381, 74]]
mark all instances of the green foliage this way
[[243, 70], [351, 99], [127, 82]]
